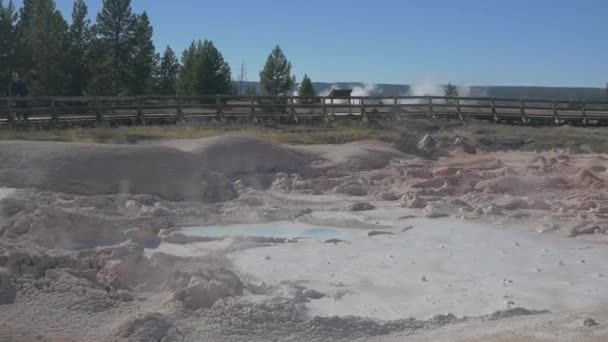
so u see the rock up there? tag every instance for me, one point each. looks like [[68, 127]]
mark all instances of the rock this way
[[587, 179], [583, 229], [436, 214], [521, 215], [8, 293], [428, 144], [547, 227], [538, 204], [126, 268], [313, 294], [464, 145], [445, 172], [590, 322], [336, 241], [147, 236], [492, 210], [360, 206], [389, 196], [423, 278], [505, 185], [150, 327], [352, 189], [413, 201], [512, 203], [379, 232], [461, 204], [420, 172], [206, 289], [405, 229]]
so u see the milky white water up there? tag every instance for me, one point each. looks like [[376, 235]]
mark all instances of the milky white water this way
[[438, 266], [281, 229]]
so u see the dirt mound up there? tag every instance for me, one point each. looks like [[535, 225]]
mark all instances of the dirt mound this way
[[505, 185], [234, 155], [90, 169], [587, 179], [355, 156]]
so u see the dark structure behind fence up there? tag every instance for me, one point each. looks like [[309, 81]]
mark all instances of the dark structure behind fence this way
[[141, 110]]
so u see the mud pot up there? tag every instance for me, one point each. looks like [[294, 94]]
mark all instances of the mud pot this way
[[235, 238]]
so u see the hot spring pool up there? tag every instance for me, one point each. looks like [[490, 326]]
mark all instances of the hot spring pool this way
[[282, 229]]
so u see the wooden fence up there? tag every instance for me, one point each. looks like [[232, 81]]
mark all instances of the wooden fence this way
[[142, 110]]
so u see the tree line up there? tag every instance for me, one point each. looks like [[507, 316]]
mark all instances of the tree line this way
[[115, 55]]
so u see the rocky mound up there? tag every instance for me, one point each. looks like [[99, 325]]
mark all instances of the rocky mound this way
[[505, 185], [587, 179], [91, 169]]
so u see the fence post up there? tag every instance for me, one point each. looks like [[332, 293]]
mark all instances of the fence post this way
[[494, 113], [584, 112], [179, 116], [331, 103], [98, 109], [458, 109], [363, 113], [10, 112], [522, 111], [252, 109], [293, 110], [396, 110], [555, 115], [140, 112], [54, 116], [220, 111], [431, 113], [325, 116]]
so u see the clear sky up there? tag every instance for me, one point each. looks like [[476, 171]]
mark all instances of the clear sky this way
[[472, 42]]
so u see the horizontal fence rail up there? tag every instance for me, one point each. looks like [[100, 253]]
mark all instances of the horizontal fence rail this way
[[140, 110]]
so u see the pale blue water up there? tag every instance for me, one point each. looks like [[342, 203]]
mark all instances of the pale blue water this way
[[281, 229]]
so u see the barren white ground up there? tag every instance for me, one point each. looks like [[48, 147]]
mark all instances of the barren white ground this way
[[441, 265]]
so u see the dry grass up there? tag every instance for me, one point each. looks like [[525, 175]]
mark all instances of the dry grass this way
[[327, 134], [577, 139]]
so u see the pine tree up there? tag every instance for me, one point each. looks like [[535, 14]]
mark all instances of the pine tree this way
[[204, 71], [166, 78], [8, 44], [115, 30], [187, 82], [80, 38], [45, 34], [451, 93], [276, 77], [142, 57], [306, 90], [215, 75]]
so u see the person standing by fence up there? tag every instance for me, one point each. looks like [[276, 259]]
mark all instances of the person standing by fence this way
[[17, 88]]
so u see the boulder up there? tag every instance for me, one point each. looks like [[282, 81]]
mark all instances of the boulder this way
[[413, 201], [352, 189], [360, 206], [492, 210], [512, 203], [506, 185], [538, 204], [428, 144], [207, 288], [389, 196]]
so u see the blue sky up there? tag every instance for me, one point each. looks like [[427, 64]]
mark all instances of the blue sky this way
[[472, 42]]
